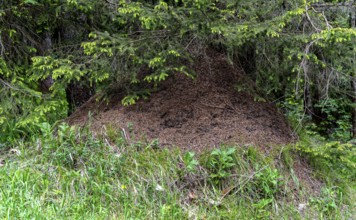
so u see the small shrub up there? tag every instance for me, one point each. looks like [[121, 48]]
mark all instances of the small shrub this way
[[287, 158], [340, 157], [189, 161], [219, 164], [267, 183], [113, 134], [262, 207], [328, 201]]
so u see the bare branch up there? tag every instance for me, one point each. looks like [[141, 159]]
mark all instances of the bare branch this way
[[310, 20], [323, 6], [304, 64], [326, 21]]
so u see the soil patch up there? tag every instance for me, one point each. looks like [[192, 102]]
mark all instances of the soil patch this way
[[195, 114]]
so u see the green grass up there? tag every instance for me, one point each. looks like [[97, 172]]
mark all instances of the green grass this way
[[66, 174]]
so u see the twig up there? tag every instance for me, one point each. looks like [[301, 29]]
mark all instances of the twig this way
[[186, 47]]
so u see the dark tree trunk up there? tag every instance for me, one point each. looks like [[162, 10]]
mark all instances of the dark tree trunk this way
[[77, 94], [308, 101], [353, 81], [247, 59], [46, 46], [354, 108]]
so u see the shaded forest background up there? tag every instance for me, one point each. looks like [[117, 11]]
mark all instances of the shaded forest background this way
[[56, 54]]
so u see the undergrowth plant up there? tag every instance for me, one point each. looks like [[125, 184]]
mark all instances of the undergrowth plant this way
[[190, 162], [219, 163], [328, 202], [339, 158], [268, 183]]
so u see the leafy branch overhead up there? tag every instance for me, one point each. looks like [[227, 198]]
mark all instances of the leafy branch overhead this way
[[299, 52]]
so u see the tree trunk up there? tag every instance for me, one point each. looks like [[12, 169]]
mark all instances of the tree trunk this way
[[354, 108], [308, 101], [353, 81]]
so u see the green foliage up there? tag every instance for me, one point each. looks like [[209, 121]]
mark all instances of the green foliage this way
[[190, 162], [22, 107], [337, 118], [27, 31], [64, 172], [268, 183], [131, 99], [328, 202], [286, 156], [339, 157], [290, 47], [219, 163], [297, 53], [263, 207]]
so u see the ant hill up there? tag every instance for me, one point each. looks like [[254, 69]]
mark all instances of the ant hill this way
[[194, 114]]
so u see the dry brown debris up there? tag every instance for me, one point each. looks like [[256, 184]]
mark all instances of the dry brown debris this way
[[196, 114]]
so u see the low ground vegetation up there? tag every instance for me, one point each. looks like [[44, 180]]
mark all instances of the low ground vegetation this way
[[68, 173]]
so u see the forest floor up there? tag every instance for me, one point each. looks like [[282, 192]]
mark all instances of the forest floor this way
[[196, 115]]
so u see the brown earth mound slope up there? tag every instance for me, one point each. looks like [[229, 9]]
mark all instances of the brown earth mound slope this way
[[196, 114]]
